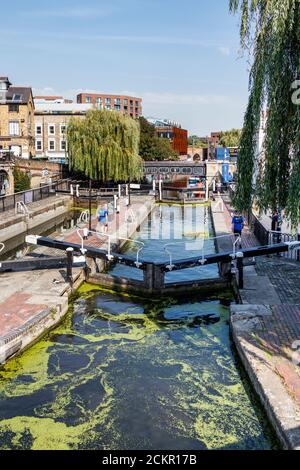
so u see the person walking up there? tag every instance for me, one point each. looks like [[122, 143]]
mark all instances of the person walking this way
[[238, 225], [102, 214]]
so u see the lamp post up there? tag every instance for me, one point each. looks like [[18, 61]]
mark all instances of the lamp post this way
[[129, 199], [90, 205]]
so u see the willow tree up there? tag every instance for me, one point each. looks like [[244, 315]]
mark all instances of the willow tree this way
[[270, 31], [104, 146]]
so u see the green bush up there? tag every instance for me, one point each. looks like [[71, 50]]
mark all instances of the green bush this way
[[22, 180]]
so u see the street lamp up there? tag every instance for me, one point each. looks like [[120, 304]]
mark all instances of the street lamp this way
[[90, 205]]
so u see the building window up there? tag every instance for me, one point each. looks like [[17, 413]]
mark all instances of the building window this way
[[125, 102], [38, 130], [38, 145], [108, 106], [63, 145], [17, 97], [51, 129], [63, 128], [117, 107], [99, 100], [137, 103], [107, 101], [14, 128], [88, 99], [13, 108], [117, 101], [51, 145]]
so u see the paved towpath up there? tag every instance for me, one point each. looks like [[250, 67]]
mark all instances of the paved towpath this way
[[266, 332]]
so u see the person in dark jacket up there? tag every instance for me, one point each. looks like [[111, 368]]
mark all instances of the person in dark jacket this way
[[237, 224]]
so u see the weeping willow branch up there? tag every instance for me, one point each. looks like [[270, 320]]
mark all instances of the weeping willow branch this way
[[105, 146], [270, 29]]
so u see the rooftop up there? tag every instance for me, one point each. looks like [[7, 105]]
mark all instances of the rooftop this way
[[62, 108]]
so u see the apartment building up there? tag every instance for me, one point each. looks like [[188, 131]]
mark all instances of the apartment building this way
[[172, 131], [51, 121], [126, 104], [16, 119]]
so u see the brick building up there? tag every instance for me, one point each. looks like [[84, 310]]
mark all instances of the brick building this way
[[177, 136], [125, 104], [213, 142], [16, 119], [51, 120]]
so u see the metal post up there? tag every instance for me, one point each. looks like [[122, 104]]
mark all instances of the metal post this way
[[115, 202], [160, 189], [240, 267], [90, 205], [129, 194], [70, 252]]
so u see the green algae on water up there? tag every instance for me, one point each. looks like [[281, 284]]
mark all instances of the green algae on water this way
[[126, 373]]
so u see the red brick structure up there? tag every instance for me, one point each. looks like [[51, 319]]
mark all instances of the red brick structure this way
[[177, 136], [126, 104]]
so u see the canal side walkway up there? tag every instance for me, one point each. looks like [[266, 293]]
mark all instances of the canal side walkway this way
[[265, 328], [13, 224], [33, 302]]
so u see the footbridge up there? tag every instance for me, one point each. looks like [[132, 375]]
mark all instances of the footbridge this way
[[154, 272]]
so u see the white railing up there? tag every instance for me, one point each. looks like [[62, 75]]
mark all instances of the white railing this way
[[203, 260], [84, 217], [85, 233], [2, 246], [288, 238], [21, 208]]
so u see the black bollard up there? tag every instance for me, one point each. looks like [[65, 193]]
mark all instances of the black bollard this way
[[240, 267]]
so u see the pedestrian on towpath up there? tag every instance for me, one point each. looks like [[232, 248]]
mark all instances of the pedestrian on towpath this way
[[237, 225], [102, 214]]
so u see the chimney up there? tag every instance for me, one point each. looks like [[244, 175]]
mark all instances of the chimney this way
[[4, 86], [4, 83]]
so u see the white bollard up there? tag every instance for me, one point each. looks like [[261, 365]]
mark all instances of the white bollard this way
[[115, 202]]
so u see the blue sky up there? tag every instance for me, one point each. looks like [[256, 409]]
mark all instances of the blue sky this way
[[182, 57]]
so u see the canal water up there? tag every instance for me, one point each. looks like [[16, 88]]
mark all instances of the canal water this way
[[123, 372]]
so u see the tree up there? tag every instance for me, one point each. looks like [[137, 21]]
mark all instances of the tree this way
[[271, 31], [197, 142], [22, 180], [231, 138], [151, 146], [104, 146]]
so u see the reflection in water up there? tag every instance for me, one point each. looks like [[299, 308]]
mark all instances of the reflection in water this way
[[123, 373], [181, 232]]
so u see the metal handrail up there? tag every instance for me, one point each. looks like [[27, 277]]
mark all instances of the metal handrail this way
[[203, 260], [109, 256], [23, 206], [2, 246], [84, 217]]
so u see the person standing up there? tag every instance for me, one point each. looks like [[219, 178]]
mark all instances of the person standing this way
[[237, 224], [103, 218]]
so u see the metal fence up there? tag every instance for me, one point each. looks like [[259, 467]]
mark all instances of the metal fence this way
[[33, 195]]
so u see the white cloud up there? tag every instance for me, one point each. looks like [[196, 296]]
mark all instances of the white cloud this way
[[224, 50], [155, 40], [71, 12], [182, 99]]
